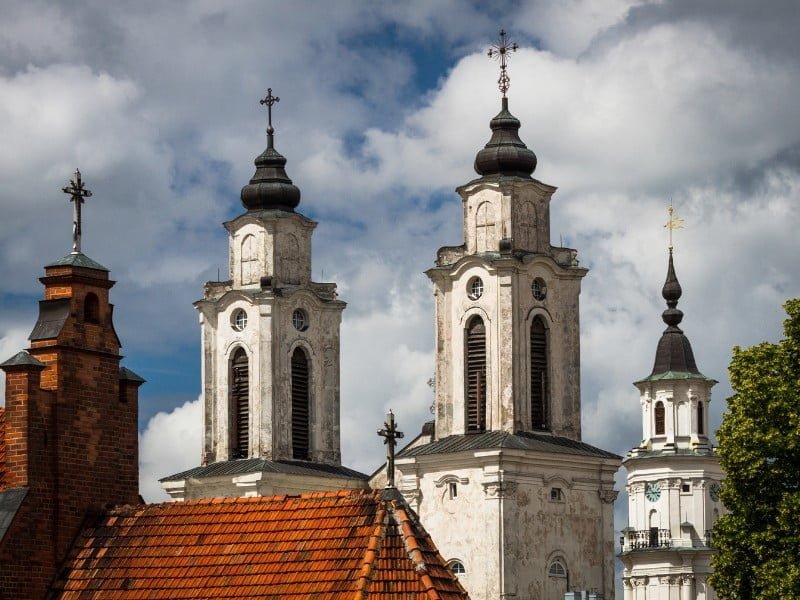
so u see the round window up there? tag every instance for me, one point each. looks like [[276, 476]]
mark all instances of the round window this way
[[300, 319], [239, 319], [475, 288], [539, 289]]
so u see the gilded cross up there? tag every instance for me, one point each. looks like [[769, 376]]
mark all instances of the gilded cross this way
[[390, 435], [269, 100], [675, 222], [78, 192], [500, 51]]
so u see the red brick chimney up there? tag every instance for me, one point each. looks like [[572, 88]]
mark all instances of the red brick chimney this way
[[71, 431]]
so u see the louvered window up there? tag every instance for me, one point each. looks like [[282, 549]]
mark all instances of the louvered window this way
[[659, 418], [476, 375], [540, 386], [240, 404], [300, 405]]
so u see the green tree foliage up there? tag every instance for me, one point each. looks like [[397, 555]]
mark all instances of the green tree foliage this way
[[759, 448]]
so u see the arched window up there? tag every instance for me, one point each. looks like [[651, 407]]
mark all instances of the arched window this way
[[557, 568], [249, 260], [701, 427], [540, 389], [240, 404], [91, 308], [457, 567], [654, 522], [475, 376], [659, 418], [300, 405], [484, 227]]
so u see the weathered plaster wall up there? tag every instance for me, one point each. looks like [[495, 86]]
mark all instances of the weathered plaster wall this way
[[508, 307], [283, 242], [505, 529]]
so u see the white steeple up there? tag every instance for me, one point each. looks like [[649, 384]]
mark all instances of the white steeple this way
[[673, 475]]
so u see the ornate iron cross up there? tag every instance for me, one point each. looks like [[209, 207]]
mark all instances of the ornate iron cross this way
[[500, 50], [269, 100], [390, 435], [78, 192]]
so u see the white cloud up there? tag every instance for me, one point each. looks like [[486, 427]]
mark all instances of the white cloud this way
[[170, 443]]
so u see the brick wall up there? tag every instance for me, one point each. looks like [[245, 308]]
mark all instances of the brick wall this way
[[71, 435]]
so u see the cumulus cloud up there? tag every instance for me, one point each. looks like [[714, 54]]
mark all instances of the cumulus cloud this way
[[170, 443], [626, 105]]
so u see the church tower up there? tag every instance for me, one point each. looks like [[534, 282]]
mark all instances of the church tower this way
[[674, 475], [518, 504], [270, 363]]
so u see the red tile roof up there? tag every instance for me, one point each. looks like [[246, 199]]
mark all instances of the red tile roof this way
[[2, 448], [353, 544]]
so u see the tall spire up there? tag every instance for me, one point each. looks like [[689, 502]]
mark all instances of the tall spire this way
[[270, 188], [505, 153], [674, 352]]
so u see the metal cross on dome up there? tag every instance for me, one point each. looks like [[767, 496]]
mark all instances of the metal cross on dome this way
[[390, 435], [78, 193], [500, 50], [269, 100]]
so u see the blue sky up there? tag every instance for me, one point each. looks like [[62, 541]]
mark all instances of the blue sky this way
[[383, 107]]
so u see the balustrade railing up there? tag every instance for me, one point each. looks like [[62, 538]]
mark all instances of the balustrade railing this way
[[646, 538]]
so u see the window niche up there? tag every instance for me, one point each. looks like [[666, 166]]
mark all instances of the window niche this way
[[301, 405], [240, 404], [91, 308], [540, 389], [659, 418], [475, 375]]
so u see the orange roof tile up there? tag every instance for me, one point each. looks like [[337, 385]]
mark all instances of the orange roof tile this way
[[351, 544], [2, 448]]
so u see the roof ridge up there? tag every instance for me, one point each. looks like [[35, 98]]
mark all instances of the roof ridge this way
[[372, 552], [242, 499]]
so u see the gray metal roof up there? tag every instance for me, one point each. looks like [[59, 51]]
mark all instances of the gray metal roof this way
[[52, 316], [253, 465], [125, 374], [77, 259], [10, 501], [22, 358], [502, 439]]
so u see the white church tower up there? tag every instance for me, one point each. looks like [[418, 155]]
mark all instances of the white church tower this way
[[270, 363], [518, 504], [674, 475]]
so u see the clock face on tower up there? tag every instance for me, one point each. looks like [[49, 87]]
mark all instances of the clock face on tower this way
[[713, 491], [652, 491]]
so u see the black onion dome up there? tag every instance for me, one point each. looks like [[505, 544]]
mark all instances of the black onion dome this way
[[505, 154], [270, 188], [674, 352]]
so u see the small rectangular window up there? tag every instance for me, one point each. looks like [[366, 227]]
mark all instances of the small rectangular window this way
[[556, 495], [686, 488], [453, 490]]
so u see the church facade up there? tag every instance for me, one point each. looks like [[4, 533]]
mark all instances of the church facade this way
[[520, 506]]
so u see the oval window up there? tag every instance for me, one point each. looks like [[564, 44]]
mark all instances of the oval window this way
[[239, 320], [475, 288], [300, 319], [539, 289]]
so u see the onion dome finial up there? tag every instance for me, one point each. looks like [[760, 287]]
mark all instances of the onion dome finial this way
[[505, 153], [674, 353], [270, 188]]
